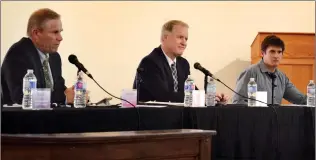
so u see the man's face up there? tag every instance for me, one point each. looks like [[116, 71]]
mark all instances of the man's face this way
[[48, 37], [176, 41], [272, 56]]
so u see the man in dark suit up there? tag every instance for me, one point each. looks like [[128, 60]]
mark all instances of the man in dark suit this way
[[163, 72], [37, 52]]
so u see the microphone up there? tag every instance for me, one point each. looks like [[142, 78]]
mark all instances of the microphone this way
[[208, 73], [198, 66], [272, 75], [74, 60], [140, 69]]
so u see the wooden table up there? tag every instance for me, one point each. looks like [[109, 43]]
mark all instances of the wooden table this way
[[185, 144]]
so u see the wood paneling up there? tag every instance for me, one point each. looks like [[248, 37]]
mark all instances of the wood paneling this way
[[183, 144], [298, 59]]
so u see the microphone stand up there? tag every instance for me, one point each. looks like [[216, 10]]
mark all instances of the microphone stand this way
[[273, 86], [78, 72], [273, 77], [205, 83], [138, 82]]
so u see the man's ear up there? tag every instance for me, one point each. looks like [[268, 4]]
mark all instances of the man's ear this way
[[262, 53], [164, 37], [35, 32]]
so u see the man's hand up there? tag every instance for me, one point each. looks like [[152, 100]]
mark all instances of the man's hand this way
[[70, 95], [221, 98]]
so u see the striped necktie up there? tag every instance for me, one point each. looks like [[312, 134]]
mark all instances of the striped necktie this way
[[48, 82], [175, 77]]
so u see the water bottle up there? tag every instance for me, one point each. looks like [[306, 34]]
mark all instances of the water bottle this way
[[210, 92], [252, 91], [311, 93], [29, 84], [80, 92], [189, 87]]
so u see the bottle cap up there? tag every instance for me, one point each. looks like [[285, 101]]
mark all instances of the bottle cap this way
[[252, 79]]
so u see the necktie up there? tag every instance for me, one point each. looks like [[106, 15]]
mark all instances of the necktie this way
[[175, 77], [48, 83]]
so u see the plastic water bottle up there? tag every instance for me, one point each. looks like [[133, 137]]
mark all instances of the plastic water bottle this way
[[189, 87], [210, 92], [311, 93], [252, 92], [29, 84], [80, 92]]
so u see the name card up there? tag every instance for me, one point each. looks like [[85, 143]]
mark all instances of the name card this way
[[41, 98], [261, 96], [129, 95], [198, 98]]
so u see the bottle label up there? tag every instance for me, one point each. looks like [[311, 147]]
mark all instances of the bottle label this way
[[211, 88], [79, 85], [32, 84], [29, 84], [252, 89], [311, 91], [189, 87]]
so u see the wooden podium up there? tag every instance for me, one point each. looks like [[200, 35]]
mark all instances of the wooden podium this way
[[161, 144], [298, 57]]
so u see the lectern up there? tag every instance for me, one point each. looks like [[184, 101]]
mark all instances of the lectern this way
[[183, 144]]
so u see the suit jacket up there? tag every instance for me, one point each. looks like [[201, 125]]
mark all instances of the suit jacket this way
[[157, 80], [22, 56]]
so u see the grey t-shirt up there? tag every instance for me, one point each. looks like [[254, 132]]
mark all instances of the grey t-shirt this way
[[284, 87]]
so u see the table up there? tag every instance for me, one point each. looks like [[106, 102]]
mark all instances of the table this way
[[242, 133], [184, 144]]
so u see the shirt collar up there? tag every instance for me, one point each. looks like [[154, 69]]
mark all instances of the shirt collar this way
[[42, 55], [264, 68], [170, 61]]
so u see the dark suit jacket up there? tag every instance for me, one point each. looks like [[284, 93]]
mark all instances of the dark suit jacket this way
[[157, 81], [22, 56]]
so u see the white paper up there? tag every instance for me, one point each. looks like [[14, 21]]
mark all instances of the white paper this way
[[261, 96], [152, 106], [163, 103], [13, 105], [198, 98], [41, 98], [129, 95]]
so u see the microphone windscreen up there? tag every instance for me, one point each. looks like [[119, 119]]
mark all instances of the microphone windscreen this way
[[197, 65], [140, 69], [72, 59], [272, 75]]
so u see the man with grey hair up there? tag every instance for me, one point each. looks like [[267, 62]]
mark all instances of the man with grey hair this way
[[165, 70], [38, 51]]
